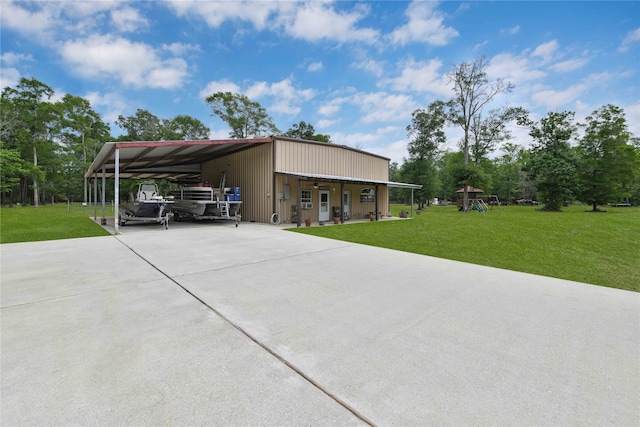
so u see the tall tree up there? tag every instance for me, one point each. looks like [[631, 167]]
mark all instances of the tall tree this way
[[608, 163], [143, 126], [426, 134], [246, 118], [83, 130], [473, 92], [306, 131], [394, 176], [11, 169], [552, 163], [183, 127], [488, 132], [30, 98], [509, 166]]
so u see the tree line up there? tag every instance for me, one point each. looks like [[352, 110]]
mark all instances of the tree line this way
[[596, 162], [46, 147]]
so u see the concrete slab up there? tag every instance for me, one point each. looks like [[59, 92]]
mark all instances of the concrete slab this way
[[398, 338], [81, 348]]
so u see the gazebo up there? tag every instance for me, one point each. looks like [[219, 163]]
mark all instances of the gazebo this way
[[473, 194]]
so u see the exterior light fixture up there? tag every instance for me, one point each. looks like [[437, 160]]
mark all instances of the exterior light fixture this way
[[315, 185]]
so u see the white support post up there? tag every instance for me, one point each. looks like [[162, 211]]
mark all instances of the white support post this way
[[412, 203], [95, 196], [116, 212], [103, 221]]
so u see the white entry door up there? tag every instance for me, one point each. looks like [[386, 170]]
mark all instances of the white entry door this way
[[324, 214], [346, 201]]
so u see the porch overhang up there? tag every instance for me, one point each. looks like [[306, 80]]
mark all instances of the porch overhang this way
[[347, 180]]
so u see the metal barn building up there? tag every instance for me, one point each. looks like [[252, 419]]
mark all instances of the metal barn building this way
[[298, 179]]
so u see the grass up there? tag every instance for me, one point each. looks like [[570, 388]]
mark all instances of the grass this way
[[62, 221], [597, 248]]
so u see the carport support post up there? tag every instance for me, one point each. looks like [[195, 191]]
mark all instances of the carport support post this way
[[103, 221], [116, 211], [342, 203], [377, 213], [95, 196], [412, 203], [299, 197]]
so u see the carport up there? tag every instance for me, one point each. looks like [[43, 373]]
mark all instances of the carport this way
[[174, 160]]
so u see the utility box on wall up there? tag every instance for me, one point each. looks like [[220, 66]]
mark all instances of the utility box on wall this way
[[287, 192]]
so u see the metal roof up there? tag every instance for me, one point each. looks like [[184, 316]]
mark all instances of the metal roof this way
[[347, 179], [179, 160]]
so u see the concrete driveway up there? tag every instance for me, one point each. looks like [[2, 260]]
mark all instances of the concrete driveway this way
[[209, 324]]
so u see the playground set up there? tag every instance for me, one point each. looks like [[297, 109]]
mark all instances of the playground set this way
[[477, 202]]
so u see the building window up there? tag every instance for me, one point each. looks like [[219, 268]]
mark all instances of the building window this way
[[367, 195], [305, 199]]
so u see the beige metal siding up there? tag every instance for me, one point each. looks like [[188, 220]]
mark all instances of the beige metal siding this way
[[358, 210], [250, 170], [329, 159]]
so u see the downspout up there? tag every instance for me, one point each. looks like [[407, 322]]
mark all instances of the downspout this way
[[274, 194]]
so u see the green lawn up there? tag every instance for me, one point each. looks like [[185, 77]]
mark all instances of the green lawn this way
[[597, 248], [28, 224]]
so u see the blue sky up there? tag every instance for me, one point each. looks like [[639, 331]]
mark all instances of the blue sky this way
[[354, 70]]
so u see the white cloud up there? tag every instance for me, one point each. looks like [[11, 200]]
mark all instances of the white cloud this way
[[511, 31], [598, 78], [632, 114], [316, 21], [556, 99], [219, 133], [546, 51], [358, 139], [569, 65], [12, 58], [631, 38], [324, 123], [135, 64], [128, 19], [214, 13], [314, 66], [371, 66], [515, 69], [425, 24], [396, 150], [384, 107], [110, 106], [9, 77], [219, 86], [180, 48], [332, 107], [287, 98], [26, 21], [420, 77]]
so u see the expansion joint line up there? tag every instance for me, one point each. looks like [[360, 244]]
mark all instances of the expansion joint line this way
[[266, 348]]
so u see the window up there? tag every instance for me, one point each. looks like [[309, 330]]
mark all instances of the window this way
[[367, 195], [306, 199]]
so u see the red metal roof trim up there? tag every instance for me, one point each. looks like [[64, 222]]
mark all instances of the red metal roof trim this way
[[132, 144]]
